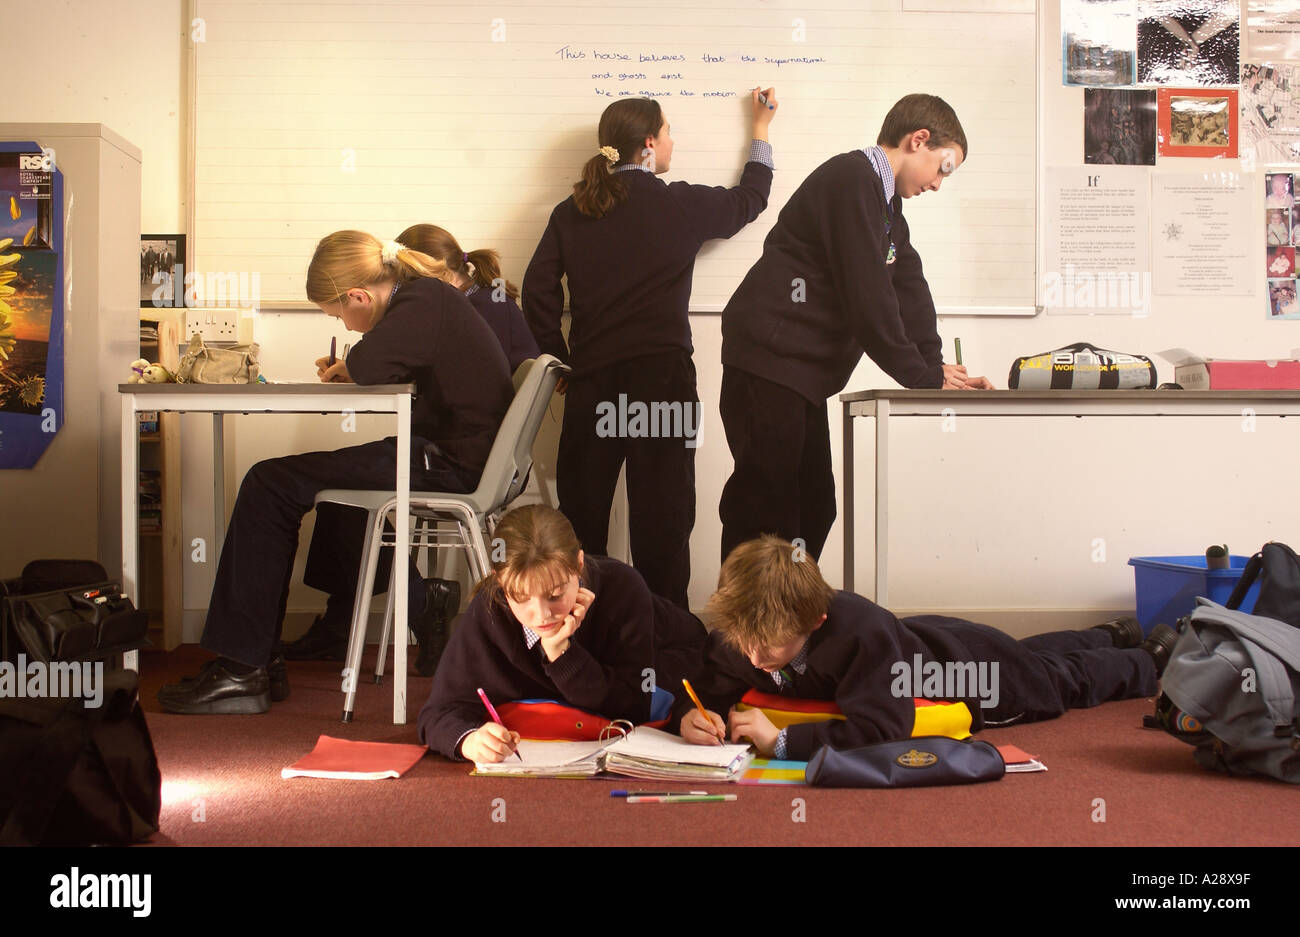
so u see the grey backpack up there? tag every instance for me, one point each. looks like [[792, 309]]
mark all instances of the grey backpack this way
[[1230, 689]]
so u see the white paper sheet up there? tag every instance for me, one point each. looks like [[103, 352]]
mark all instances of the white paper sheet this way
[[1201, 241]]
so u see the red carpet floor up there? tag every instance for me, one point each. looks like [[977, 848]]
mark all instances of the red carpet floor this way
[[222, 786]]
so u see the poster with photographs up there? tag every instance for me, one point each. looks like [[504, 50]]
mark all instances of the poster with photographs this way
[[1119, 127], [1281, 238], [162, 263], [1273, 30], [1270, 113], [1097, 42], [1188, 42], [1197, 122]]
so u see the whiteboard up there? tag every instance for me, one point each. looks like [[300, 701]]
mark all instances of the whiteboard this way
[[311, 117]]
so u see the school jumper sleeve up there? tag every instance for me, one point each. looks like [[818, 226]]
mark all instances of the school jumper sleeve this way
[[606, 676], [915, 303], [857, 246], [399, 344], [719, 212], [543, 293]]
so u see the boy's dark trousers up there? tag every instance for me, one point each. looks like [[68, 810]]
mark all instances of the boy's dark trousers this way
[[1043, 676], [660, 471], [252, 582], [782, 482]]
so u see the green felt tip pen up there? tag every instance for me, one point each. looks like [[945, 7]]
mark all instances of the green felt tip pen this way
[[957, 343]]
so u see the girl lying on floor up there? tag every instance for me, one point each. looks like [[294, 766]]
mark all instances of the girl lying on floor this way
[[552, 623]]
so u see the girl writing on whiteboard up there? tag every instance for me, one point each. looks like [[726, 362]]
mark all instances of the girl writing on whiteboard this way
[[478, 275], [417, 329], [627, 242], [553, 623]]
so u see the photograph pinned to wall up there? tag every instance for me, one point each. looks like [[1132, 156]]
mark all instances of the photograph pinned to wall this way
[[1270, 114], [1295, 225], [1280, 262], [162, 270], [1272, 30], [1119, 127], [1188, 42], [1279, 190], [1282, 300], [25, 187], [1277, 227], [1197, 122], [1098, 42], [26, 309]]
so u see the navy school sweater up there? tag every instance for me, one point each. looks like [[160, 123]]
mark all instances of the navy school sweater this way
[[822, 292], [507, 322], [630, 272], [849, 662], [626, 630], [431, 336]]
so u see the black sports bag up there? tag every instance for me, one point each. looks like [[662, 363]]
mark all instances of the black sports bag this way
[[1082, 366]]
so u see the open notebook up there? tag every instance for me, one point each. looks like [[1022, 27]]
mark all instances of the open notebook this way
[[641, 753]]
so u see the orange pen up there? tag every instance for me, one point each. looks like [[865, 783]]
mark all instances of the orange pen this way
[[698, 705]]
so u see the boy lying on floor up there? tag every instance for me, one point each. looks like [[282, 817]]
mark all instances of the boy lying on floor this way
[[779, 628]]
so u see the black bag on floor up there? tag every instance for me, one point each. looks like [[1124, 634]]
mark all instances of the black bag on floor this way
[[75, 775], [1278, 569], [67, 610]]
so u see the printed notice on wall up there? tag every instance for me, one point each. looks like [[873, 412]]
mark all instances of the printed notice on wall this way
[[1197, 233], [1096, 251]]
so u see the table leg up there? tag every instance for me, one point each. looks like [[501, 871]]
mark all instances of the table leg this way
[[882, 502], [130, 512], [218, 480], [401, 551], [847, 447]]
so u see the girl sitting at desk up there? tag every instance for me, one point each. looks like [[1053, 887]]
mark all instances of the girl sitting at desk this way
[[552, 623], [478, 275], [418, 329]]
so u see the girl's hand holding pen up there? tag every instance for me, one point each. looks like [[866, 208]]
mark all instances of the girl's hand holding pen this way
[[489, 743], [765, 105], [336, 373]]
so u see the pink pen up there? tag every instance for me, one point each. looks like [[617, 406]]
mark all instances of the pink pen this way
[[495, 718]]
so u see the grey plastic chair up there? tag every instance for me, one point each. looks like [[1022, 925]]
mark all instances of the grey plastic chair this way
[[473, 513]]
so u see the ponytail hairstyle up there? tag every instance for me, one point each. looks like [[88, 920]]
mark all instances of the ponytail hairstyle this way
[[624, 126], [481, 266], [348, 260], [541, 550]]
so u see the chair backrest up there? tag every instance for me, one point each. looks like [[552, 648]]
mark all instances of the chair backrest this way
[[506, 472]]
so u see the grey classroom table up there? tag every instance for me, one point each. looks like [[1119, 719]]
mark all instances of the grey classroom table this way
[[223, 399], [887, 405]]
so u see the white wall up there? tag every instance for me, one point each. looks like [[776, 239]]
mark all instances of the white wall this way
[[994, 517]]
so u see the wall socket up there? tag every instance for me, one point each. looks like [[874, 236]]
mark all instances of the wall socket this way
[[212, 325]]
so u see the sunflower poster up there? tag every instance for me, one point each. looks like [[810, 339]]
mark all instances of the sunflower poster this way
[[31, 304]]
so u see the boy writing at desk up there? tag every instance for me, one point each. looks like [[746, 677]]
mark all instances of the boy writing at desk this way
[[838, 276], [779, 628]]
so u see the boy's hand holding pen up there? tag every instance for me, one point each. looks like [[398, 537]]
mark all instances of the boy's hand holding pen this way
[[699, 726]]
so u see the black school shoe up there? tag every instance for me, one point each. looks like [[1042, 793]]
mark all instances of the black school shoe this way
[[1160, 645], [323, 641], [277, 674], [1124, 632], [441, 603], [218, 691]]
